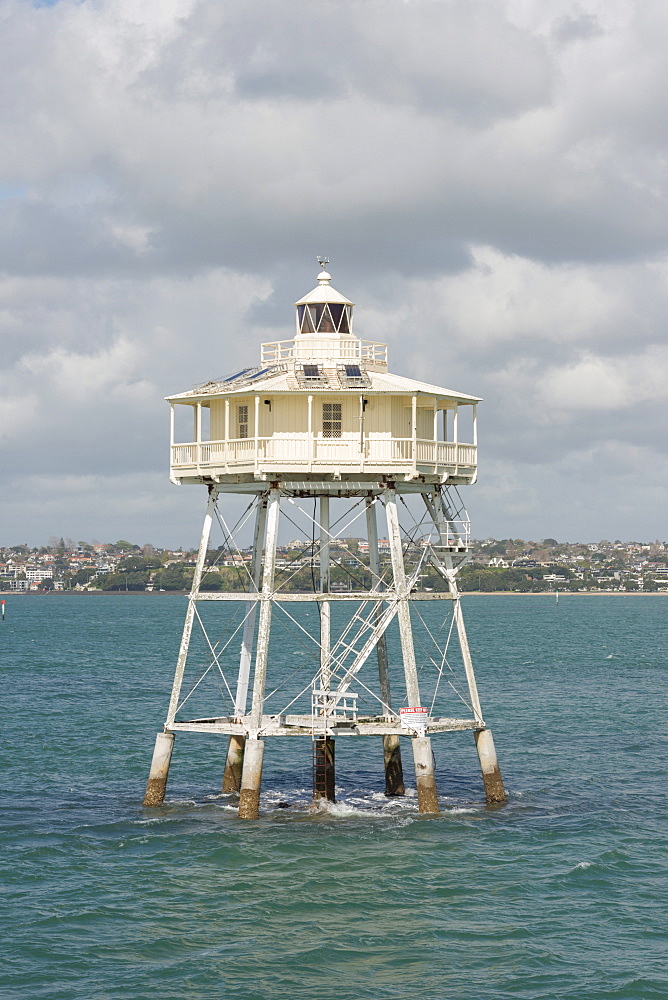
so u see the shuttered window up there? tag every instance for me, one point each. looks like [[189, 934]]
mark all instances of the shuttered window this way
[[242, 421], [331, 420]]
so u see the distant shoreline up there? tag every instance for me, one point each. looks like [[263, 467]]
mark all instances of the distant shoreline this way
[[465, 593], [565, 593]]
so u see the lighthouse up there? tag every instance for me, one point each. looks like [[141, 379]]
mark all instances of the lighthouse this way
[[333, 489]]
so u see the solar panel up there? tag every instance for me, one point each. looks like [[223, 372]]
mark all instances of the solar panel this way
[[258, 374], [311, 371], [353, 371], [243, 371]]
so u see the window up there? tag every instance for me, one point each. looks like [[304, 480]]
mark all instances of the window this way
[[336, 312], [331, 420], [305, 320], [322, 317], [242, 421]]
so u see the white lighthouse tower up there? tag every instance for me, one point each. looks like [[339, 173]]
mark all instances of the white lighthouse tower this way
[[321, 439]]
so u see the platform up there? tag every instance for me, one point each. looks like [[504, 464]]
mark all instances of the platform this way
[[306, 725]]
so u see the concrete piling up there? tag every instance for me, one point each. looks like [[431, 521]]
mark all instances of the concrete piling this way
[[424, 774], [157, 778], [234, 765], [489, 765], [394, 774], [324, 772], [251, 780]]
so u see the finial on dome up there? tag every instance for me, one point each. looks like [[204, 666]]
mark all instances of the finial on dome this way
[[324, 277]]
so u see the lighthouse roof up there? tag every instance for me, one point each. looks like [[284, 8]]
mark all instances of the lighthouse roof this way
[[387, 382], [279, 380], [323, 292]]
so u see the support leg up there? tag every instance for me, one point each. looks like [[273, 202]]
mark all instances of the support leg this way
[[264, 626], [424, 761], [234, 765], [162, 755], [251, 780], [251, 610], [424, 771], [323, 749], [323, 769], [489, 765], [190, 612], [325, 607], [449, 573], [249, 798], [394, 774], [157, 778], [235, 748]]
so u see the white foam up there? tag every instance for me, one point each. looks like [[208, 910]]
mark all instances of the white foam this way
[[369, 803]]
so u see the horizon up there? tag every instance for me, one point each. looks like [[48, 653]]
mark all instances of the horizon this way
[[548, 541]]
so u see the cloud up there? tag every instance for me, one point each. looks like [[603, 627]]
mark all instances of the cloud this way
[[88, 365], [502, 298], [82, 378], [461, 59], [121, 505], [584, 494], [607, 384], [441, 125], [488, 179], [580, 26]]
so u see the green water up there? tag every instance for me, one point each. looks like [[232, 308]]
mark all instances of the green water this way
[[560, 894]]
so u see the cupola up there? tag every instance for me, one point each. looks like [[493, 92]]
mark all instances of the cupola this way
[[323, 315]]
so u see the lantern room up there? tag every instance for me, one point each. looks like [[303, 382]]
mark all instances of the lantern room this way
[[322, 406]]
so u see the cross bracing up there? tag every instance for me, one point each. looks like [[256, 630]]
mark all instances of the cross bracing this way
[[361, 617]]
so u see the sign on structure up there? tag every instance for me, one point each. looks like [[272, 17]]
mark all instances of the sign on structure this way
[[413, 717]]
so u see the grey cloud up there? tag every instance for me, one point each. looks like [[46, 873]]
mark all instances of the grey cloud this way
[[575, 27], [167, 183], [465, 59], [586, 495], [384, 169], [38, 237]]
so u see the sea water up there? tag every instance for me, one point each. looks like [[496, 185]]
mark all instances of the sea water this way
[[561, 893]]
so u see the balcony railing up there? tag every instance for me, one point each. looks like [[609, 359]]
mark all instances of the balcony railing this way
[[318, 451], [368, 352], [456, 535]]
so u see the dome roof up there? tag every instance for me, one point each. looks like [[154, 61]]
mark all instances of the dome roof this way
[[324, 293]]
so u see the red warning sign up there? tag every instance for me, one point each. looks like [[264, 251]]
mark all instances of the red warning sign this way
[[412, 717]]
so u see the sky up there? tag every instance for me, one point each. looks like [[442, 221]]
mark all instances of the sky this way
[[487, 177]]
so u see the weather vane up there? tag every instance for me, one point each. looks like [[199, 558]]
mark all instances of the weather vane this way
[[323, 261]]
